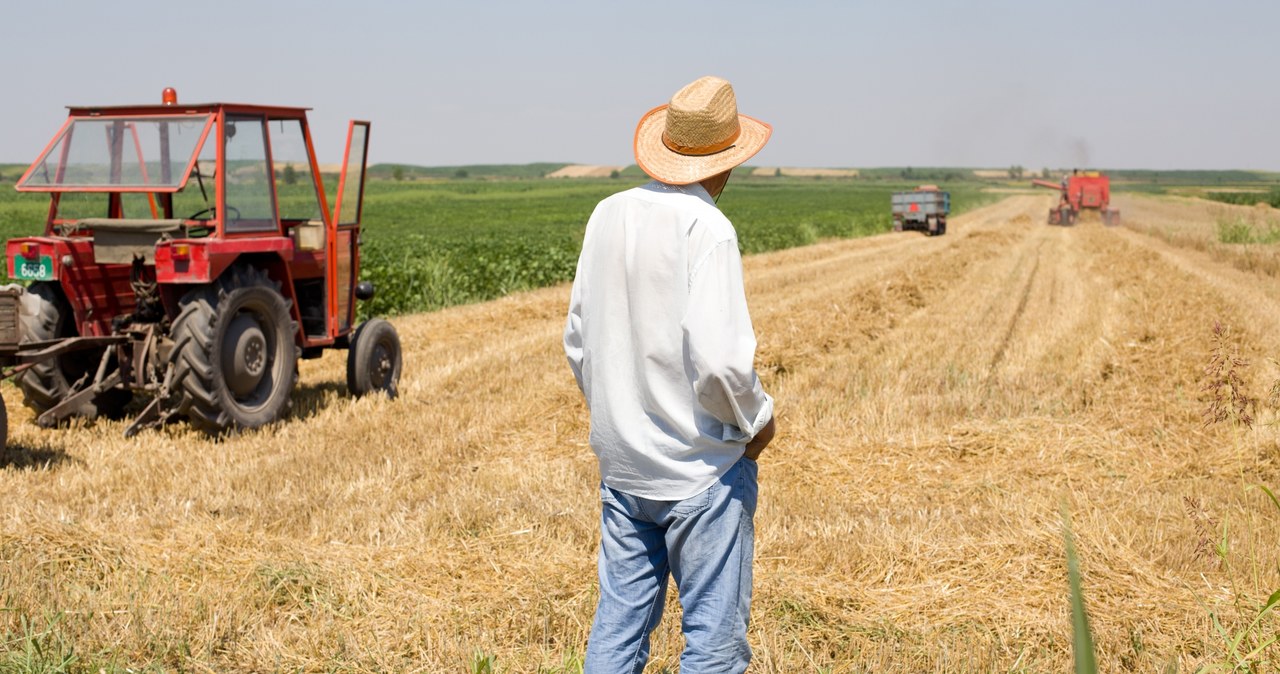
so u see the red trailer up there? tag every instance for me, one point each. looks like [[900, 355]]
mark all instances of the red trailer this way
[[1079, 191]]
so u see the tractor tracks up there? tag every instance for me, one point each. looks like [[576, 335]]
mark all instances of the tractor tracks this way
[[1012, 323]]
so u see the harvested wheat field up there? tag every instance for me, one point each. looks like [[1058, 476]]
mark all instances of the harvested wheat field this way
[[941, 400]]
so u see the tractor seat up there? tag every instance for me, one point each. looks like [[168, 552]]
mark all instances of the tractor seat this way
[[120, 240]]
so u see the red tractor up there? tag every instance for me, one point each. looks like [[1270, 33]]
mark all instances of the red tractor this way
[[190, 255], [1088, 190]]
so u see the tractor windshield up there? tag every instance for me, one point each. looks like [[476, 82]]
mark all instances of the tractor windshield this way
[[121, 154]]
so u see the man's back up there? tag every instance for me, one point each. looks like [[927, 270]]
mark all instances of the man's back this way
[[666, 342]]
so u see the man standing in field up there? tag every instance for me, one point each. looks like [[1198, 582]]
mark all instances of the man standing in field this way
[[660, 341]]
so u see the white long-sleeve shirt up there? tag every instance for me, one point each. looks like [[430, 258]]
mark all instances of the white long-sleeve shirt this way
[[660, 341]]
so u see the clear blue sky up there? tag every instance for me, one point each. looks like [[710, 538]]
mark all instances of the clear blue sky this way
[[1174, 84]]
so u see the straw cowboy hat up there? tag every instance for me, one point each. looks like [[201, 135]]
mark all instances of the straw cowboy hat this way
[[698, 134]]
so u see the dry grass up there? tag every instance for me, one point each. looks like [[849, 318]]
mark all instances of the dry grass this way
[[940, 400], [1243, 236], [584, 171]]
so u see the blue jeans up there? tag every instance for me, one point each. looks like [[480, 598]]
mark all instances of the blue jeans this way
[[706, 543]]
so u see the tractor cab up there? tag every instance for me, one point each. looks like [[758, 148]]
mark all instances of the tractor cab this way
[[160, 212]]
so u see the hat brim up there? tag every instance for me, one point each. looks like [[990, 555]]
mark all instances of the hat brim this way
[[668, 166]]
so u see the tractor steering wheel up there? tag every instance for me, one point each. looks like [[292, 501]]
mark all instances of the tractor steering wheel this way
[[232, 211]]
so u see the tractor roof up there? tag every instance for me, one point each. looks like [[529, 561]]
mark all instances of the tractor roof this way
[[181, 108]]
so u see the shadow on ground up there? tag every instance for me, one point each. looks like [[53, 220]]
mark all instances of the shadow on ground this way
[[33, 457], [311, 399]]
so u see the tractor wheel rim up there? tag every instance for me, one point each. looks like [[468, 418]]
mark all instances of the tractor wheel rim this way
[[380, 366], [245, 355]]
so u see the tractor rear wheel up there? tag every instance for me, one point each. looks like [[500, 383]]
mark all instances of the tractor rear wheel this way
[[374, 360], [46, 314], [235, 360]]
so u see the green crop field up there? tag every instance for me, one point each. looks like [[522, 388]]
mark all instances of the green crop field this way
[[1248, 197], [435, 243]]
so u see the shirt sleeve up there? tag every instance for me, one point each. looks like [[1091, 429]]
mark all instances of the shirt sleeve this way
[[573, 348], [722, 344], [574, 344]]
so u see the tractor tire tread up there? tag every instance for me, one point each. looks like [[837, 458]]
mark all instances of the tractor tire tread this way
[[194, 386], [366, 335]]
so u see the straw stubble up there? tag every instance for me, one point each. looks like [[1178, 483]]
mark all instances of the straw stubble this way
[[939, 399]]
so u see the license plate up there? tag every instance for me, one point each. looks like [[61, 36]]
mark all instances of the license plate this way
[[27, 269]]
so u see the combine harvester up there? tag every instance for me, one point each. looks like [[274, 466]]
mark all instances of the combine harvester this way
[[1079, 191], [189, 255]]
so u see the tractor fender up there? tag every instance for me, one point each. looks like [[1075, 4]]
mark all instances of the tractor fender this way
[[203, 260], [274, 263]]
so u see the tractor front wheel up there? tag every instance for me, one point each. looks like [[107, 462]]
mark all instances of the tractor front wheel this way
[[46, 315], [374, 361], [235, 360]]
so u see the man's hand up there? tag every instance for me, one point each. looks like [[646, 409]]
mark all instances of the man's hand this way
[[762, 440]]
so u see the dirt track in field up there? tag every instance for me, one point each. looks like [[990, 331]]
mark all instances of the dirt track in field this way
[[941, 401]]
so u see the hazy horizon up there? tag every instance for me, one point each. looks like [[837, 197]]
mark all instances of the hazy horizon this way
[[1174, 86]]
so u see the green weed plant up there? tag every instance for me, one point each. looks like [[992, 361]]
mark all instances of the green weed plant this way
[[1239, 230], [1247, 630], [1245, 646]]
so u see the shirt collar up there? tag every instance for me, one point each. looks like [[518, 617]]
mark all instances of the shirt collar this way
[[693, 189]]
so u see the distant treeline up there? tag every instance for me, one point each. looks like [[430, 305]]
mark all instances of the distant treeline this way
[[542, 170], [9, 173], [917, 173], [507, 171], [938, 174], [1194, 177]]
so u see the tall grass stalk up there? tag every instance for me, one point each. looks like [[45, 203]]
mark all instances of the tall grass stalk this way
[[1082, 650], [38, 648], [571, 662], [482, 663]]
